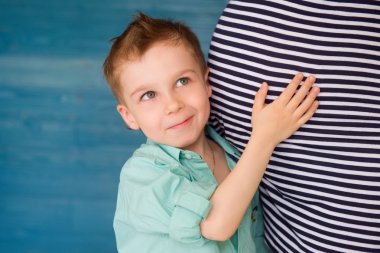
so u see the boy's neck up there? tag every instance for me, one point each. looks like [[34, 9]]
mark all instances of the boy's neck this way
[[201, 146]]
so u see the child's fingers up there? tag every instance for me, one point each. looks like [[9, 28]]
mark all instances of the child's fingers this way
[[301, 109], [288, 93], [309, 113], [297, 99], [260, 97]]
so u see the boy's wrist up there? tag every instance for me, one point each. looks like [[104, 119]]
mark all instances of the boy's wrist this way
[[264, 144]]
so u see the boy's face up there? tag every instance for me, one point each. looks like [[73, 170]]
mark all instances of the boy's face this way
[[167, 95]]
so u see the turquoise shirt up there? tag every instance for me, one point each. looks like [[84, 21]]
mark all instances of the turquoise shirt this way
[[163, 196]]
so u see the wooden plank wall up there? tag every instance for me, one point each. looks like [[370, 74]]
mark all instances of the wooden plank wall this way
[[62, 143]]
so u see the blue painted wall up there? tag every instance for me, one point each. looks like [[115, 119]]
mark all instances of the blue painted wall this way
[[62, 143]]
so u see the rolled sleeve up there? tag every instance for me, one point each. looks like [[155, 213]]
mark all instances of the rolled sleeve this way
[[157, 200], [191, 207]]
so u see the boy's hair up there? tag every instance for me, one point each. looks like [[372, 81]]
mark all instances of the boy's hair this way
[[137, 38]]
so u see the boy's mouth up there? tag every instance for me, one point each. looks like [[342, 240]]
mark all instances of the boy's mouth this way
[[184, 123]]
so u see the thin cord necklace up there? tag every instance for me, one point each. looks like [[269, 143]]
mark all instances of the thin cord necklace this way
[[213, 157]]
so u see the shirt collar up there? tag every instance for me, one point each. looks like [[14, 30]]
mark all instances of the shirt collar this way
[[226, 146]]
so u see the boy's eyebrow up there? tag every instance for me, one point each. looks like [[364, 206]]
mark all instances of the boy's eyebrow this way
[[144, 87], [180, 73]]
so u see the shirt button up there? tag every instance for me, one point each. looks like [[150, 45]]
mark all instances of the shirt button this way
[[253, 214], [253, 218], [188, 156]]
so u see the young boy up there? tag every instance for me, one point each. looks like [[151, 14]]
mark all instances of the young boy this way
[[183, 191]]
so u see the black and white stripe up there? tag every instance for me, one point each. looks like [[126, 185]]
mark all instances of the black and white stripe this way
[[321, 191]]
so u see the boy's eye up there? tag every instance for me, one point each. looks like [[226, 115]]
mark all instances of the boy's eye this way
[[182, 81], [148, 95]]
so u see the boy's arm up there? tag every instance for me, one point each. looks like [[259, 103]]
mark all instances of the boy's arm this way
[[272, 124]]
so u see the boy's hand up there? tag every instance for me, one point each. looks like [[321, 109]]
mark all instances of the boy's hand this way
[[278, 120]]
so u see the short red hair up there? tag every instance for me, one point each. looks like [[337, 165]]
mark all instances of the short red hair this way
[[138, 37]]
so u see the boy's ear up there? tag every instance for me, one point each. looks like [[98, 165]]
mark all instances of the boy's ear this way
[[209, 89], [127, 117]]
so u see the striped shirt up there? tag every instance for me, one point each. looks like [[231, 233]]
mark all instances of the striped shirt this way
[[321, 190]]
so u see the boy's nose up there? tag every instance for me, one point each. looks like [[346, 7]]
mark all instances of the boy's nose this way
[[173, 104]]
